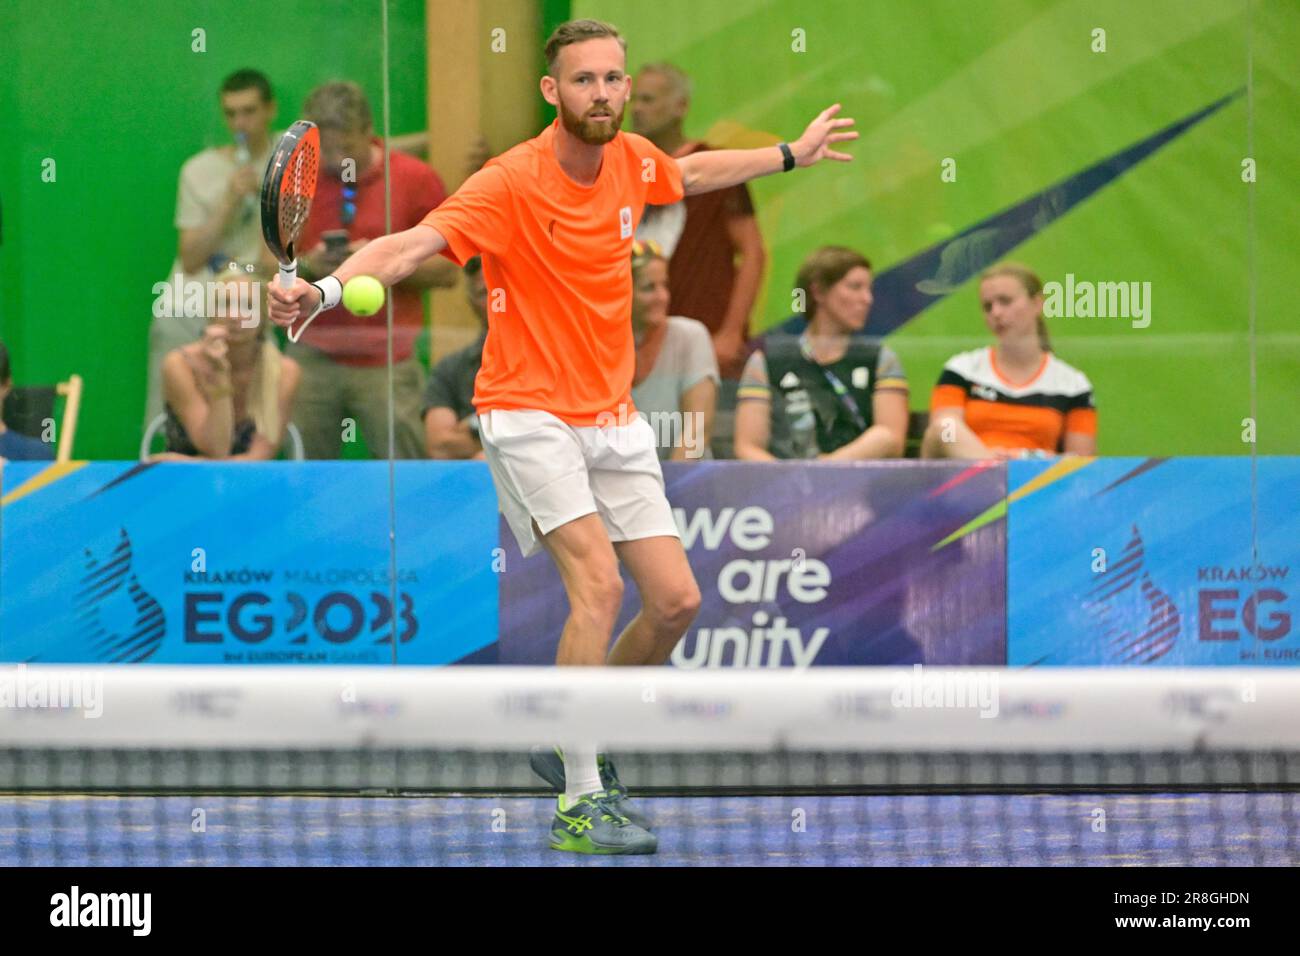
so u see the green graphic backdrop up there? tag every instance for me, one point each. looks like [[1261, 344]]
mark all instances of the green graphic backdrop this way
[[1012, 90]]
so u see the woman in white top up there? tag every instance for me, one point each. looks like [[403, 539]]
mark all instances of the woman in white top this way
[[675, 387], [229, 395]]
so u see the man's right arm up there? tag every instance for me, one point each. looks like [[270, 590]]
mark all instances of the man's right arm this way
[[390, 259]]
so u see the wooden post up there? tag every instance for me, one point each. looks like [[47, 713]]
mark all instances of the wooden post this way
[[485, 61]]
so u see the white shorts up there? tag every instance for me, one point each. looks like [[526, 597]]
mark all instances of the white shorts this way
[[551, 472]]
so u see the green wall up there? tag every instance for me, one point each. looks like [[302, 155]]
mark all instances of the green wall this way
[[1009, 88], [1013, 92], [114, 94]]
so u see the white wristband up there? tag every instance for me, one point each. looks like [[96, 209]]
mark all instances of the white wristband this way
[[331, 292]]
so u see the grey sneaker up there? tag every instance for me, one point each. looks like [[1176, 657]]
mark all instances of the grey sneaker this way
[[548, 763], [593, 824]]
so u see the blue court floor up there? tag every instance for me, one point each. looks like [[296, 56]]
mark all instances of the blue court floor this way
[[1095, 829]]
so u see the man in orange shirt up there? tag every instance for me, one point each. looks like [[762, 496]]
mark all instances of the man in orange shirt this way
[[576, 470]]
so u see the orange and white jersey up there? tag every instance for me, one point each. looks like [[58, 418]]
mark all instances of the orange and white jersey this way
[[1036, 413]]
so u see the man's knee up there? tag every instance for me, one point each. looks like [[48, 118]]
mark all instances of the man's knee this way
[[598, 594], [677, 606]]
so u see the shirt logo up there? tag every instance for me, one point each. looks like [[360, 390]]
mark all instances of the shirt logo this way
[[789, 380], [984, 392], [860, 377], [625, 222]]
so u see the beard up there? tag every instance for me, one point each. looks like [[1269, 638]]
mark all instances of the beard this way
[[590, 132]]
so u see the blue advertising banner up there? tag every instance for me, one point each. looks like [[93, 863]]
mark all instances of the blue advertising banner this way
[[275, 563], [245, 563], [1167, 562], [809, 564], [1105, 561]]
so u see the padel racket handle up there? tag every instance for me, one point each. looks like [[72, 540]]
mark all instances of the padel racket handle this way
[[288, 276], [331, 291]]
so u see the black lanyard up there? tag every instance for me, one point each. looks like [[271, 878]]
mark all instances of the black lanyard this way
[[841, 391]]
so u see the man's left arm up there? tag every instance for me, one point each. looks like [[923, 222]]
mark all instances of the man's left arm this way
[[712, 169]]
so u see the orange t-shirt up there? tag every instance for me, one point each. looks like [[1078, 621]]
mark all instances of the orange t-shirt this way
[[1038, 413], [557, 261]]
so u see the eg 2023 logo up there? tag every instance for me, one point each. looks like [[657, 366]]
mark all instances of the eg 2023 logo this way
[[335, 617], [1246, 603]]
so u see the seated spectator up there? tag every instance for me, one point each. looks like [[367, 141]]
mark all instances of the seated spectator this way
[[830, 392], [13, 446], [217, 219], [450, 424], [675, 386], [1016, 398], [229, 395]]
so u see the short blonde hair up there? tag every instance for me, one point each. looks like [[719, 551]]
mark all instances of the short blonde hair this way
[[577, 31], [644, 253]]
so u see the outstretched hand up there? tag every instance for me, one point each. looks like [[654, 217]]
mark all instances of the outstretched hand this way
[[815, 143]]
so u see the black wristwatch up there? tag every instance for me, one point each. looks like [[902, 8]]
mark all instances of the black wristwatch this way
[[789, 156]]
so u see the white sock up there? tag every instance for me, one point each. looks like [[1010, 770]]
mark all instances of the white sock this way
[[581, 775]]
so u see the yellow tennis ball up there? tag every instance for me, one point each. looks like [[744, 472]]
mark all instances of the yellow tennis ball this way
[[363, 295]]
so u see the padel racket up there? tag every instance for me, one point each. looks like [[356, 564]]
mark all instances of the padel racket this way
[[287, 191]]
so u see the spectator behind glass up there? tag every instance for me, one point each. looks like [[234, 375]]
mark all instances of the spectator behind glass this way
[[216, 214], [13, 446], [344, 356], [450, 425], [229, 395], [1015, 398], [830, 392], [715, 265], [676, 381]]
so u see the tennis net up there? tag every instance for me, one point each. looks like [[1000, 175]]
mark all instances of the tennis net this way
[[838, 766]]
